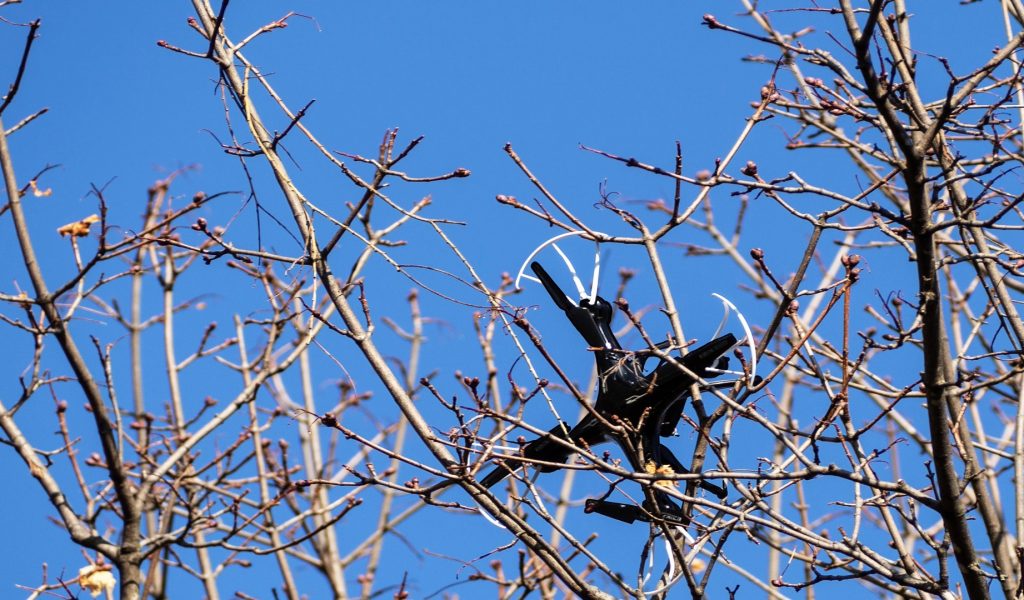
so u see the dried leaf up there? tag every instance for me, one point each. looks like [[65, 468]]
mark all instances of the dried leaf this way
[[78, 228], [96, 579], [654, 469], [38, 193]]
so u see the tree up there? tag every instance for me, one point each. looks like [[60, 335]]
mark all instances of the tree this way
[[854, 374]]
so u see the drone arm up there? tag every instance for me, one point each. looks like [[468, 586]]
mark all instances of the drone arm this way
[[560, 298], [541, 449], [629, 513]]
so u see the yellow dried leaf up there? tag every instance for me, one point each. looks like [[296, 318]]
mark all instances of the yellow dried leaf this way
[[96, 579], [38, 193], [698, 565], [78, 228], [654, 469]]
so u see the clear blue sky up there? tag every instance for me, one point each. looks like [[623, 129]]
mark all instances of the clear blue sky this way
[[630, 78]]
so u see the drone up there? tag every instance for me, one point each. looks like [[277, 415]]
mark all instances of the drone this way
[[650, 401]]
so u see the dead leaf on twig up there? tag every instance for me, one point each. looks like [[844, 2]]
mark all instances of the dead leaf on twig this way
[[39, 193], [655, 469], [78, 228], [96, 579]]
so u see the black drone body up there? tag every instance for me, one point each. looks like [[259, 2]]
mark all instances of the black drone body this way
[[625, 393]]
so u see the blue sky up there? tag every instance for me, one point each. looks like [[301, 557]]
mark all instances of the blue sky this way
[[629, 78]]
